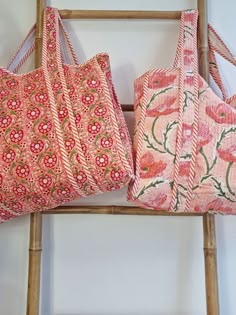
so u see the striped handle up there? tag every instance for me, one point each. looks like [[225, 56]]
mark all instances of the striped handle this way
[[216, 45]]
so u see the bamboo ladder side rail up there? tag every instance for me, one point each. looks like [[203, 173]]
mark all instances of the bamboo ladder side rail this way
[[35, 249], [209, 230]]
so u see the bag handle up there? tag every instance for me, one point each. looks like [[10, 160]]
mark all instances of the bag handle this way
[[216, 45], [28, 45]]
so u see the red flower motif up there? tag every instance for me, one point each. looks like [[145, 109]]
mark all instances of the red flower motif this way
[[15, 206], [63, 192], [33, 113], [19, 190], [41, 97], [29, 87], [154, 200], [93, 83], [23, 171], [222, 113], [100, 111], [102, 64], [94, 128], [215, 205], [37, 146], [86, 68], [228, 155], [16, 135], [51, 46], [45, 181], [204, 135], [150, 168], [117, 175], [84, 147], [13, 103], [88, 99], [71, 90], [189, 17], [5, 121], [77, 119], [160, 79], [70, 143], [38, 200], [1, 180], [3, 93], [12, 84], [36, 75], [62, 113], [80, 177], [165, 108], [106, 142], [45, 127], [122, 133], [56, 86], [5, 215], [184, 168], [50, 160], [102, 160], [9, 156]]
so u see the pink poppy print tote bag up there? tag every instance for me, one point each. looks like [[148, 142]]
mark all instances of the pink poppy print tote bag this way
[[63, 134], [184, 141]]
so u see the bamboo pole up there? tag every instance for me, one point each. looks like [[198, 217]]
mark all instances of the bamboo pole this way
[[106, 14], [35, 246], [210, 251], [122, 210]]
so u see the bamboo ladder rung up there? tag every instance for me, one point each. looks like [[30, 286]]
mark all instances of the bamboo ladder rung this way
[[123, 14]]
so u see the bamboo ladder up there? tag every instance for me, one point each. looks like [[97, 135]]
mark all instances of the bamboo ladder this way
[[35, 249]]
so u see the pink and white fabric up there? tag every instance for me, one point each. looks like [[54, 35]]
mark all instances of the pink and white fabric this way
[[62, 131], [184, 141]]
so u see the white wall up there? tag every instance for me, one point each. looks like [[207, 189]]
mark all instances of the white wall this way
[[121, 265]]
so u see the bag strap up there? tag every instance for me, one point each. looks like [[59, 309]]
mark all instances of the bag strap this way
[[28, 45], [187, 60], [216, 45]]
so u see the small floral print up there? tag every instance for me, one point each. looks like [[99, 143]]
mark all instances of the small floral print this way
[[9, 156], [29, 88], [13, 103], [70, 143], [94, 128], [80, 177], [12, 84], [33, 113], [16, 135], [106, 142], [15, 206], [50, 160], [0, 180], [45, 127], [160, 80], [5, 215], [168, 107], [41, 97], [63, 192], [100, 111], [56, 86], [23, 171], [222, 113], [37, 146], [5, 121], [77, 119], [19, 190], [93, 83], [3, 93], [45, 181], [117, 175], [102, 64], [63, 113], [38, 200], [88, 99], [101, 160]]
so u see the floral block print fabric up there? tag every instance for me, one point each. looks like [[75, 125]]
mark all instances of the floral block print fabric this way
[[63, 135], [184, 141]]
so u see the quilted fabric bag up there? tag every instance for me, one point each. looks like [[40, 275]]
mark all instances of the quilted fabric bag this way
[[185, 137], [62, 132]]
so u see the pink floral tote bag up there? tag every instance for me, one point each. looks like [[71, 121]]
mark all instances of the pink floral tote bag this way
[[63, 135], [184, 142]]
